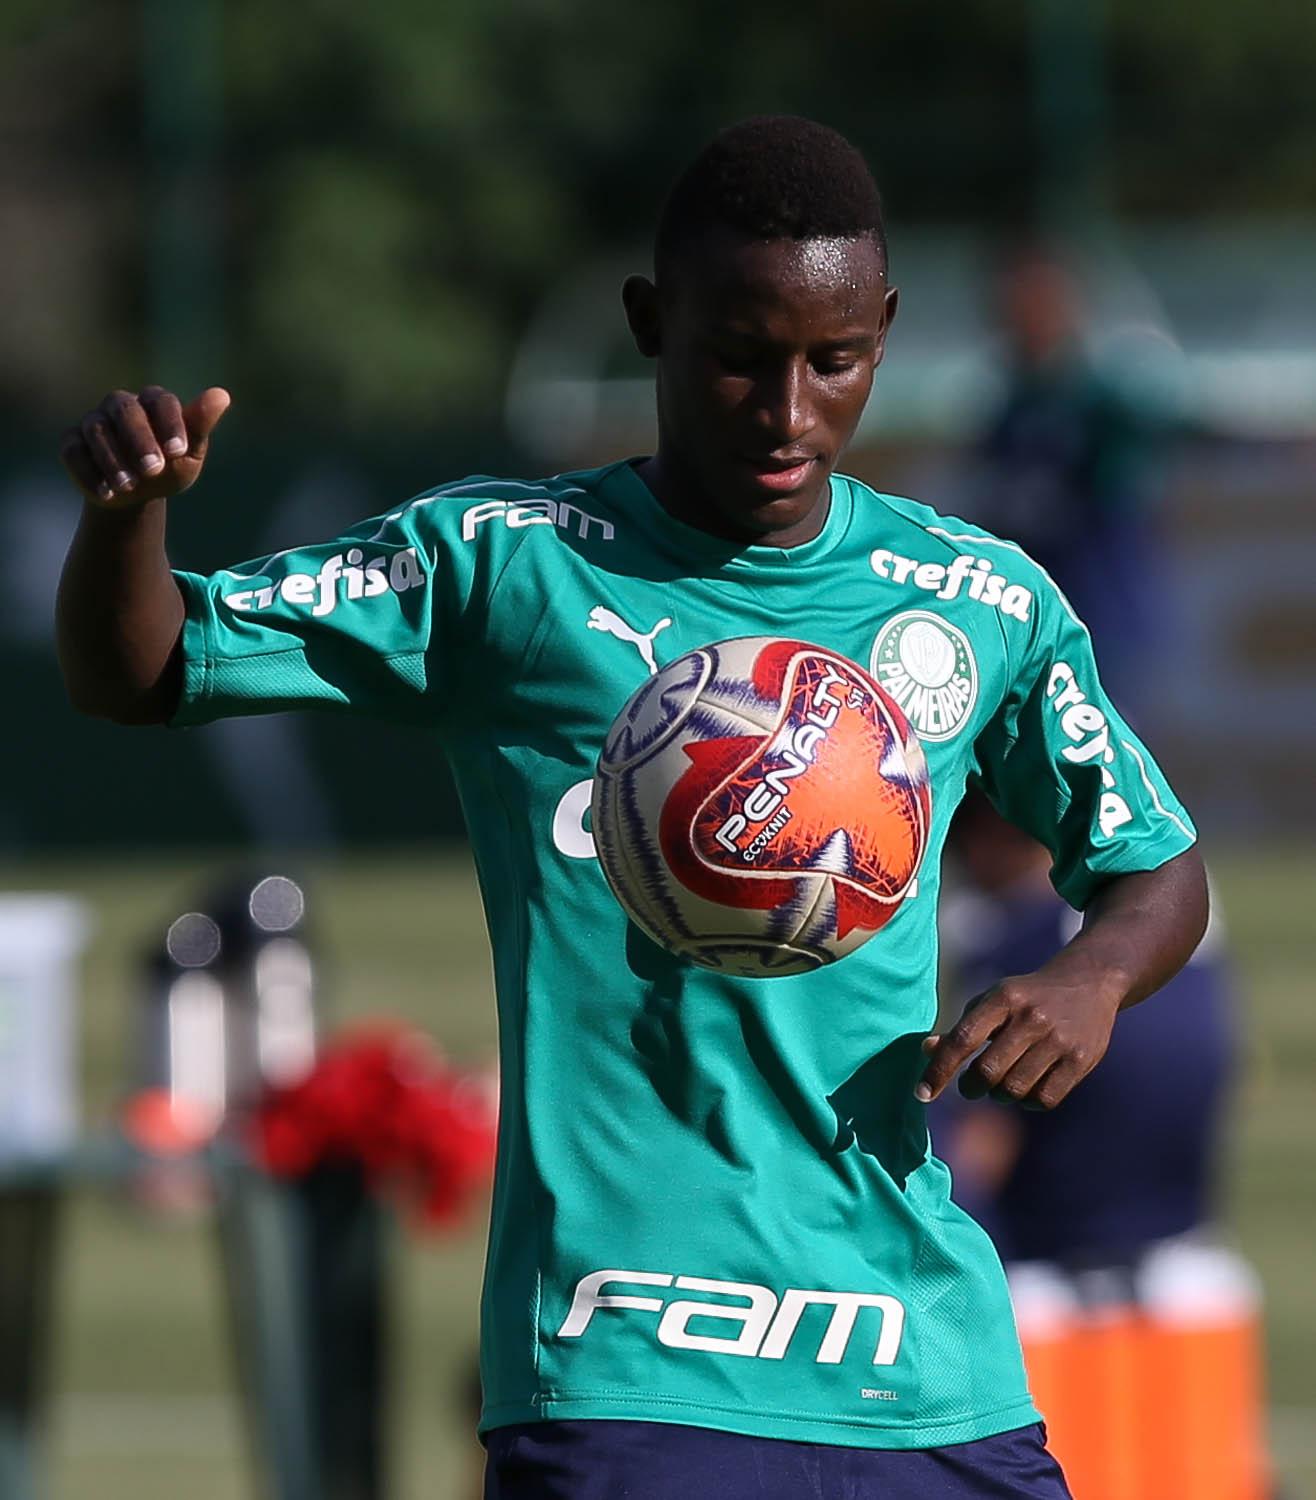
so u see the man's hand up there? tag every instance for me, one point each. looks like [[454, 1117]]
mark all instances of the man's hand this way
[[135, 448], [1034, 1038]]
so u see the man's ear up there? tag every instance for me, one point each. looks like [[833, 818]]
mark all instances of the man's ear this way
[[639, 297], [890, 303]]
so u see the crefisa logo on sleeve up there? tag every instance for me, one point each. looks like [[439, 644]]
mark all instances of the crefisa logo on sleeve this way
[[927, 666], [349, 575]]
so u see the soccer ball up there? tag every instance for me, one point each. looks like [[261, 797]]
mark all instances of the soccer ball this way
[[761, 806]]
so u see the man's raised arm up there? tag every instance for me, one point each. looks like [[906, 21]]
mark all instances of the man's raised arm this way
[[119, 614]]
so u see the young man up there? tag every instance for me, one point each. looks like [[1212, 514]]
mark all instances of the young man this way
[[721, 1255]]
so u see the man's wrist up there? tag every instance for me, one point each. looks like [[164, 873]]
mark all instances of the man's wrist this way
[[1084, 964], [121, 515]]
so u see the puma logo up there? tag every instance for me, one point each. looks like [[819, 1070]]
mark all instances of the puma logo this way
[[613, 624]]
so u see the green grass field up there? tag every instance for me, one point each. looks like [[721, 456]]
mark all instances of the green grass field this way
[[144, 1402]]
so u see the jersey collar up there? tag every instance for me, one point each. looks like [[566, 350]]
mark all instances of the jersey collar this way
[[634, 498]]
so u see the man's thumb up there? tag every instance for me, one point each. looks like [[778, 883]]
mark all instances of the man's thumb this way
[[202, 416]]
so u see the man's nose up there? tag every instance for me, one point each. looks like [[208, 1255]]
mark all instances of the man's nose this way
[[785, 409]]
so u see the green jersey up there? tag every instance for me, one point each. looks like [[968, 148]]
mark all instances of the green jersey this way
[[715, 1201]]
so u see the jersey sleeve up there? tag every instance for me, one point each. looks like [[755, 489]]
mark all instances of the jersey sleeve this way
[[1058, 761], [374, 621]]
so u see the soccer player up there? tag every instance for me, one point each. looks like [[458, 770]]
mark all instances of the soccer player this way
[[722, 1259]]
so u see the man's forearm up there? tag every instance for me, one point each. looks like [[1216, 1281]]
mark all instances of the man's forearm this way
[[119, 615], [1139, 930]]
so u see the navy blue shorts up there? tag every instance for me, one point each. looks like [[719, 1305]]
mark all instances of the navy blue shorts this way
[[616, 1460]]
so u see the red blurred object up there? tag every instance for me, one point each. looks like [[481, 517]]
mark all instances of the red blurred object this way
[[162, 1124], [382, 1097]]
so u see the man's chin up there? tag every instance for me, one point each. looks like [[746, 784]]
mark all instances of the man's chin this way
[[756, 516]]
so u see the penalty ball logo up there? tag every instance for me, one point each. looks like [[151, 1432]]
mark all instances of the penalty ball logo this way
[[761, 806], [829, 792], [927, 666]]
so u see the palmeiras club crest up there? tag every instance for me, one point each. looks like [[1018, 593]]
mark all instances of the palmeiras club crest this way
[[928, 667]]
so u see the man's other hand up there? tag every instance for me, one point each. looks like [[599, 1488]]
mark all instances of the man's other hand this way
[[1028, 1040], [148, 446]]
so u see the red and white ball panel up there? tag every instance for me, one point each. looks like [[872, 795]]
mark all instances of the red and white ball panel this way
[[761, 806]]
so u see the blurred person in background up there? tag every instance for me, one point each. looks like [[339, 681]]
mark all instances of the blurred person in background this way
[[1071, 462], [1130, 1159], [1141, 1325]]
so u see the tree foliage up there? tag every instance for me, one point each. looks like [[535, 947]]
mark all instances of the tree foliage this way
[[398, 183]]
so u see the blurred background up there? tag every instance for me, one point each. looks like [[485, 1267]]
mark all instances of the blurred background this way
[[396, 233]]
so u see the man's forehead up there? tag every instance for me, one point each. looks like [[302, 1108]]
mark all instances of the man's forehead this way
[[726, 269]]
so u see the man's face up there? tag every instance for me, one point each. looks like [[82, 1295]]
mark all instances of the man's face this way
[[766, 352]]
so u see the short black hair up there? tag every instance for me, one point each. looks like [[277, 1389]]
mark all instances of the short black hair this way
[[773, 177]]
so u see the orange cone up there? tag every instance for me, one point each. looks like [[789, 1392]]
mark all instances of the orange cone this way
[[1158, 1398], [1201, 1375]]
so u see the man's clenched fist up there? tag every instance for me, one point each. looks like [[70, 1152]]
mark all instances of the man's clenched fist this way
[[147, 446]]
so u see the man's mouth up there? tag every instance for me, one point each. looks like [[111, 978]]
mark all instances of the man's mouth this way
[[781, 474]]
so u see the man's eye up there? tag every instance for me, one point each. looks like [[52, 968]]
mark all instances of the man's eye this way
[[835, 364], [737, 361]]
